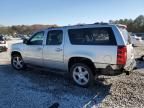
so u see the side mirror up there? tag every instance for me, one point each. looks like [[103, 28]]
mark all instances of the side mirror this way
[[25, 41]]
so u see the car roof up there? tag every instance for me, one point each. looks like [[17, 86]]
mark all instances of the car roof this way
[[83, 26], [86, 25]]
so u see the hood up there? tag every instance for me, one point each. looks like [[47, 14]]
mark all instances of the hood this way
[[17, 44]]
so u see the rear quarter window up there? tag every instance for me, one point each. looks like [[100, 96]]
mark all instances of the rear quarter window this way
[[92, 36], [126, 35]]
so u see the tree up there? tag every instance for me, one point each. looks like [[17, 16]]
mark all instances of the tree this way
[[136, 25], [23, 29]]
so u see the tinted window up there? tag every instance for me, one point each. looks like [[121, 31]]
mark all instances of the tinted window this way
[[92, 36], [37, 39], [54, 37]]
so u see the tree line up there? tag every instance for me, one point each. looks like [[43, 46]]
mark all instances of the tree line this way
[[136, 26], [23, 29]]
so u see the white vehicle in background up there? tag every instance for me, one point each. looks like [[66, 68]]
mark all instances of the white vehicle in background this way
[[3, 44], [136, 41]]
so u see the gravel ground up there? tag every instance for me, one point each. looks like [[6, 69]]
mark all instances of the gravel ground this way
[[34, 88]]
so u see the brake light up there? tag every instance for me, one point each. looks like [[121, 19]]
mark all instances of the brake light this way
[[121, 55]]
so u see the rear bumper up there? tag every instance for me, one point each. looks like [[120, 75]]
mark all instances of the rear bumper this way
[[109, 69], [105, 66], [130, 65]]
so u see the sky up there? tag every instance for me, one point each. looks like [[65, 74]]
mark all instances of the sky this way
[[67, 12]]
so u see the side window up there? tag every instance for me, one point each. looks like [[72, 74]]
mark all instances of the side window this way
[[54, 37], [92, 36], [37, 39]]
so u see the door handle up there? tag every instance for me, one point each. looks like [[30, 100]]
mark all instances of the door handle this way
[[58, 49]]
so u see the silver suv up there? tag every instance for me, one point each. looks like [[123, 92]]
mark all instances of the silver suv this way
[[79, 50]]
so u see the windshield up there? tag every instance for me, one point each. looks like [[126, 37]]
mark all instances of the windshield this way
[[125, 35]]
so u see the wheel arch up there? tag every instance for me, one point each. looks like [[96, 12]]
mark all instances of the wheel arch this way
[[84, 60], [15, 53]]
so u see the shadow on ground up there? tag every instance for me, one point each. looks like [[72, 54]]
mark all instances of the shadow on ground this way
[[139, 63], [58, 86]]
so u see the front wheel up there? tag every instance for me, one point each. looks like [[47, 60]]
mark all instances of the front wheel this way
[[17, 62], [82, 74]]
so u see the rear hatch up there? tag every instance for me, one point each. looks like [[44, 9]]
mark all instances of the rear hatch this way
[[130, 49]]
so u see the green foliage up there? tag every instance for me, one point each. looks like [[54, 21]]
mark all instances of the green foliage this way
[[136, 25]]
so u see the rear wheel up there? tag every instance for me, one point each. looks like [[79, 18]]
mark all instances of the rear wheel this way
[[82, 74], [17, 62]]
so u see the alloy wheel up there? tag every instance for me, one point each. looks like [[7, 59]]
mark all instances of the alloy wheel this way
[[81, 75]]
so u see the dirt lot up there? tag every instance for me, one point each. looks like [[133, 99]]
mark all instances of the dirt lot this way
[[34, 88]]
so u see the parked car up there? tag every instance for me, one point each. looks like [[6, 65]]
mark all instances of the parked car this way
[[140, 35], [136, 41], [7, 37], [79, 50], [3, 44]]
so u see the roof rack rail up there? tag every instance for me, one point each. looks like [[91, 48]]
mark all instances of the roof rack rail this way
[[101, 23], [80, 24], [52, 27]]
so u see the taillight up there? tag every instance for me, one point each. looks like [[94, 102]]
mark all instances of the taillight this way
[[121, 55]]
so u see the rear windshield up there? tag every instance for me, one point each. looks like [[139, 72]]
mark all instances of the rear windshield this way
[[92, 36], [126, 35]]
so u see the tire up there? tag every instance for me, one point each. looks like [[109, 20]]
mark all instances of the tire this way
[[82, 75], [17, 62]]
